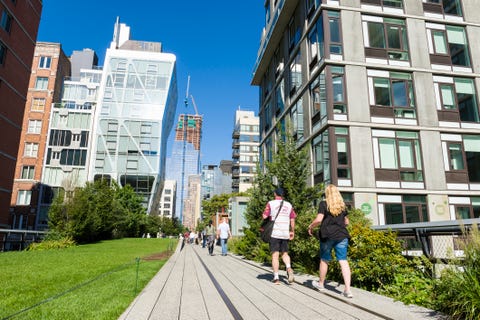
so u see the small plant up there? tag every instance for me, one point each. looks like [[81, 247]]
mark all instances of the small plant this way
[[457, 292], [52, 244]]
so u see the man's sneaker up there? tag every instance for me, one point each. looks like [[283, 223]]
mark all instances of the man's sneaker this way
[[318, 286], [276, 281], [291, 278], [347, 294]]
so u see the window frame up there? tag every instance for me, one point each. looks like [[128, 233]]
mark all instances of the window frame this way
[[24, 197], [27, 172], [30, 150], [386, 52], [34, 126], [6, 20], [438, 57], [438, 7], [41, 83], [399, 172], [3, 53], [44, 62]]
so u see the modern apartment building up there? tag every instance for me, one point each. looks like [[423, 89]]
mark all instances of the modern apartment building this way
[[69, 137], [50, 66], [385, 95], [244, 149], [135, 114], [19, 21], [167, 201], [185, 158]]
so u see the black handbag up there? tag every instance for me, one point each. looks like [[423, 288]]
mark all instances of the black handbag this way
[[267, 226]]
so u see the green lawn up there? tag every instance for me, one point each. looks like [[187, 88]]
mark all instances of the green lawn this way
[[95, 281]]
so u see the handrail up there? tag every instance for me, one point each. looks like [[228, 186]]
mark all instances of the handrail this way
[[422, 230]]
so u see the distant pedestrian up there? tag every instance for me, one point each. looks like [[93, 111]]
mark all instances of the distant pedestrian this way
[[223, 233], [283, 232], [204, 238], [333, 221], [210, 235]]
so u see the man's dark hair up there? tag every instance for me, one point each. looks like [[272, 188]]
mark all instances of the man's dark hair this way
[[280, 192]]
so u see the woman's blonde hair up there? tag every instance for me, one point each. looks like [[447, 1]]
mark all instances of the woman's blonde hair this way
[[334, 200]]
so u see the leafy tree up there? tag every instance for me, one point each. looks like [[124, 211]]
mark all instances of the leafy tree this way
[[215, 204], [98, 211], [290, 169]]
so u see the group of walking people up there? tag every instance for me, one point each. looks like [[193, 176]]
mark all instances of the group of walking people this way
[[222, 233], [333, 221]]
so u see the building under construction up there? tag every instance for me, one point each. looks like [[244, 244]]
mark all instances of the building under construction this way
[[185, 159]]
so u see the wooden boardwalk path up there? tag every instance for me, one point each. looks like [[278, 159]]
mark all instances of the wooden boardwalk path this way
[[195, 285]]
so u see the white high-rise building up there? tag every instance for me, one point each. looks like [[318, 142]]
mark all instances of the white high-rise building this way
[[135, 114], [245, 150]]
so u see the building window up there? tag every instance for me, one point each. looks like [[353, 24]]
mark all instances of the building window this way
[[397, 156], [385, 3], [296, 114], [403, 208], [267, 115], [31, 150], [343, 153], [60, 138], [294, 34], [6, 21], [456, 99], [71, 157], [44, 62], [321, 155], [446, 7], [318, 98], [23, 197], [296, 74], [386, 38], [391, 94], [311, 6], [3, 53], [462, 158], [448, 45], [28, 172], [267, 12], [34, 126], [280, 96], [335, 33], [338, 90], [38, 104], [41, 83], [466, 208]]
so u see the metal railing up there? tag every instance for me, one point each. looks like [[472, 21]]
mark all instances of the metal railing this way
[[17, 239], [436, 238]]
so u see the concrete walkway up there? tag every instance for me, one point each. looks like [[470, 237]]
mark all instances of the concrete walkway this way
[[195, 285]]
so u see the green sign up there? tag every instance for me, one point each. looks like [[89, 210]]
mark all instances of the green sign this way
[[366, 208]]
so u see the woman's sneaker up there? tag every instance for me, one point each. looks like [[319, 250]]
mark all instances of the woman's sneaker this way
[[347, 294], [318, 286]]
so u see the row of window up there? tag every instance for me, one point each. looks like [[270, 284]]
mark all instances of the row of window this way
[[397, 158], [391, 96]]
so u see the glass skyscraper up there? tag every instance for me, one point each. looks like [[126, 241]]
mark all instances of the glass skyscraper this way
[[185, 159]]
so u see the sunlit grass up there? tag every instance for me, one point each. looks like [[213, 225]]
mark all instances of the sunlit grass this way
[[95, 281]]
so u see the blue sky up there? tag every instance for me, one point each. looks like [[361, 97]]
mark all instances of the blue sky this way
[[216, 43]]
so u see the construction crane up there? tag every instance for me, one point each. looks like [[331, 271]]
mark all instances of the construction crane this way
[[194, 105], [184, 128]]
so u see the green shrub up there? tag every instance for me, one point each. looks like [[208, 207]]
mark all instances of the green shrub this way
[[412, 285], [457, 292], [52, 244]]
